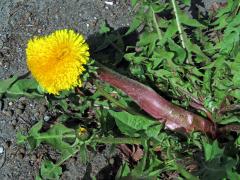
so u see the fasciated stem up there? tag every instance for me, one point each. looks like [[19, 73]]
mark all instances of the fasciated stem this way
[[174, 117]]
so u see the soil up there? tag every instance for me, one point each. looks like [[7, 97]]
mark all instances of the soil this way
[[19, 21]]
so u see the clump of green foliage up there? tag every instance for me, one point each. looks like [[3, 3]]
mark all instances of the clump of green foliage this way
[[194, 62], [193, 58]]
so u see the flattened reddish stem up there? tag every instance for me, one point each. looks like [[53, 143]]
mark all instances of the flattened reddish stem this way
[[174, 117]]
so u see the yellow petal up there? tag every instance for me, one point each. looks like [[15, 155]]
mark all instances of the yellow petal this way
[[56, 61]]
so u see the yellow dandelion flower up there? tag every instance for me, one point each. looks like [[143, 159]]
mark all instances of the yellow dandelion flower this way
[[56, 61], [82, 131]]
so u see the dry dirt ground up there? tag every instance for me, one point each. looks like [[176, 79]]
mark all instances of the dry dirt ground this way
[[19, 21]]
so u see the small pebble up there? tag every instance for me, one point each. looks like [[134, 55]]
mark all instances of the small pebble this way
[[20, 155], [42, 109], [10, 103], [33, 157], [46, 118], [36, 114], [14, 122], [111, 161], [1, 43], [22, 150], [72, 160], [19, 111], [2, 156], [22, 98], [1, 150], [4, 104], [1, 105], [22, 127], [21, 106], [8, 113], [7, 144], [108, 3]]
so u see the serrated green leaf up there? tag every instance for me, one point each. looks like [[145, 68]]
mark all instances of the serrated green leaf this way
[[132, 57], [134, 2], [207, 80], [83, 154], [15, 87], [237, 141], [181, 54], [33, 135], [159, 55], [184, 172], [20, 138], [186, 20], [147, 38], [5, 84], [38, 177], [217, 168], [229, 41], [131, 125], [232, 175], [137, 70], [196, 49], [136, 22], [49, 170], [170, 32], [57, 136], [212, 151], [162, 73], [123, 171], [104, 28], [236, 79], [221, 22], [234, 22], [187, 2], [226, 9], [159, 7], [228, 119], [235, 93]]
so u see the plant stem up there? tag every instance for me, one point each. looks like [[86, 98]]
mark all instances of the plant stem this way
[[112, 140], [156, 25], [174, 117], [185, 173], [178, 23], [61, 161], [56, 136]]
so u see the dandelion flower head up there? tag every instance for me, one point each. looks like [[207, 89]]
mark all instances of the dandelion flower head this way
[[56, 61]]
